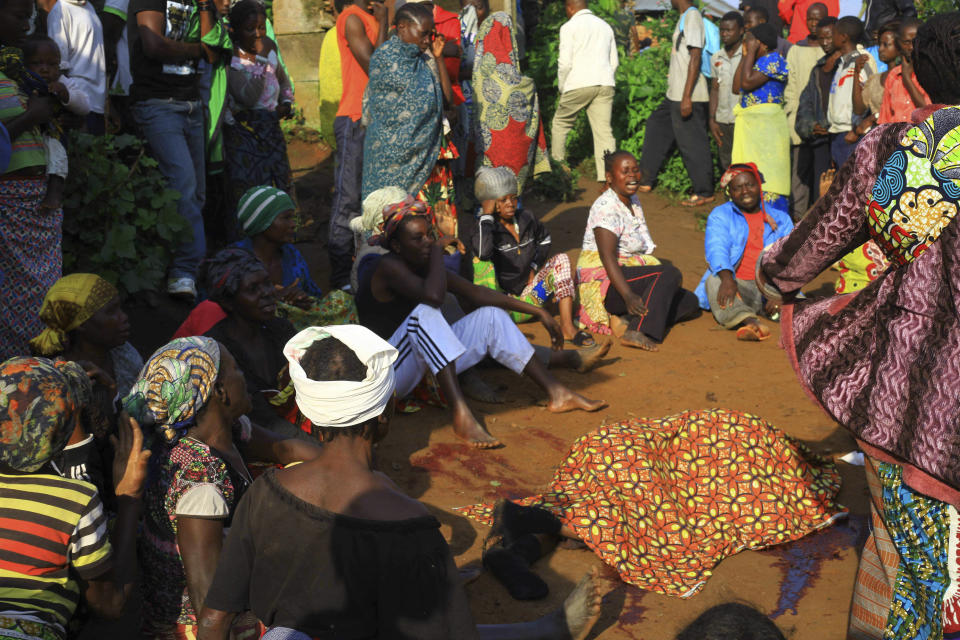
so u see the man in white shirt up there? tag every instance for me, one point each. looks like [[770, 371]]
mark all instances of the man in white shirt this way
[[682, 117], [75, 27], [586, 67]]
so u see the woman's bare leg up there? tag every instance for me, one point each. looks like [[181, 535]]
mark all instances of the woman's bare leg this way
[[566, 318], [465, 425]]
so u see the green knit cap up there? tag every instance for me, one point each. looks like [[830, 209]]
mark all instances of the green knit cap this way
[[260, 206]]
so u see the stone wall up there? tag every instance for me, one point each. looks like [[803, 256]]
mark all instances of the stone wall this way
[[300, 26]]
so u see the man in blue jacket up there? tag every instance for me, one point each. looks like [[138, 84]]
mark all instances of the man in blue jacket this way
[[737, 233]]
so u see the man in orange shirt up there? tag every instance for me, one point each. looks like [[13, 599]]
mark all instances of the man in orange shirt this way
[[359, 31], [794, 13]]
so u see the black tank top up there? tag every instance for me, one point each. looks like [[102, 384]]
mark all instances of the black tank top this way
[[382, 318]]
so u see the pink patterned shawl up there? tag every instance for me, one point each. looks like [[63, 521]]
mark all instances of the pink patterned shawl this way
[[885, 361]]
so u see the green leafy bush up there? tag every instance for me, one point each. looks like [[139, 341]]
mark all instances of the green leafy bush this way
[[927, 8], [120, 220]]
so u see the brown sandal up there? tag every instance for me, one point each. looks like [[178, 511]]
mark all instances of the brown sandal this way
[[697, 201], [753, 333]]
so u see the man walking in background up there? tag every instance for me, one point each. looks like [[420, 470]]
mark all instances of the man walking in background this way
[[585, 69], [682, 117]]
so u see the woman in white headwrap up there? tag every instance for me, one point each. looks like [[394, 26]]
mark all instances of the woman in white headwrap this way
[[331, 547]]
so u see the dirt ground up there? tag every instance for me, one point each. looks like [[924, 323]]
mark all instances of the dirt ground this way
[[805, 586]]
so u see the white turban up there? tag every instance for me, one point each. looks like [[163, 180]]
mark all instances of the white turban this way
[[343, 403]]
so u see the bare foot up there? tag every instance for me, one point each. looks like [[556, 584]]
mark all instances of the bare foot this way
[[618, 326], [466, 426], [587, 359], [473, 386], [581, 609], [567, 400], [638, 340]]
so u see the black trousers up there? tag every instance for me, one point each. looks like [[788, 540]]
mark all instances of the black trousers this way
[[666, 126], [667, 302], [812, 162]]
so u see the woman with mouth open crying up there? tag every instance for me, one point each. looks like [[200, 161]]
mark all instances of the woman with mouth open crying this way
[[620, 281]]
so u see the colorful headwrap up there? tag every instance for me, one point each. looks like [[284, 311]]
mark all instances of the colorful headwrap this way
[[40, 401], [393, 215], [260, 206], [747, 167], [343, 403], [223, 274], [915, 196], [174, 385], [70, 302], [373, 206]]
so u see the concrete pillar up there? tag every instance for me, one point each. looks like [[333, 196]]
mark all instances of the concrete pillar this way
[[300, 26]]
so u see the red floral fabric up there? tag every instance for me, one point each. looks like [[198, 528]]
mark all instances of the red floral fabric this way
[[664, 500]]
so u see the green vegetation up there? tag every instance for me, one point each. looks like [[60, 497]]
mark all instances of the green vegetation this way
[[641, 86], [120, 220]]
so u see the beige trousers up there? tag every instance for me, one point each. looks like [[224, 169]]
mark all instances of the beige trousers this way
[[598, 101]]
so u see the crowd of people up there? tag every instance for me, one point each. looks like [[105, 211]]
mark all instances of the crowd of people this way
[[233, 470]]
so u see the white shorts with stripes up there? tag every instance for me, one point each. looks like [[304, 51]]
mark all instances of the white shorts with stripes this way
[[426, 341]]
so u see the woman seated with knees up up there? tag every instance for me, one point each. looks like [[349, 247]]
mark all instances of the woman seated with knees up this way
[[513, 248], [331, 547], [241, 314], [193, 399], [54, 539], [737, 233], [266, 218], [618, 275], [400, 296]]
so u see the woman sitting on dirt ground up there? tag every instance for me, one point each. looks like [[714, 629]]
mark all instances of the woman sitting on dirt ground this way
[[378, 566], [617, 273], [400, 296], [192, 399], [511, 248], [737, 233], [240, 313], [266, 218]]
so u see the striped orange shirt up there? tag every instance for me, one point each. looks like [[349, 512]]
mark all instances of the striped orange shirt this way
[[51, 528]]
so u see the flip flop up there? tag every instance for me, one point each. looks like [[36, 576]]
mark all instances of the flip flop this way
[[752, 333], [581, 339], [697, 201]]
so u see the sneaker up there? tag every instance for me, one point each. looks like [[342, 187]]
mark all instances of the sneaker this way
[[183, 288]]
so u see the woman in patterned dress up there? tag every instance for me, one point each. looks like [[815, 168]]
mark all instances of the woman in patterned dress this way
[[883, 361], [30, 254], [761, 133], [194, 398]]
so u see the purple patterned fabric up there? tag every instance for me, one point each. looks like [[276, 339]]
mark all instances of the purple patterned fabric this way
[[885, 361]]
